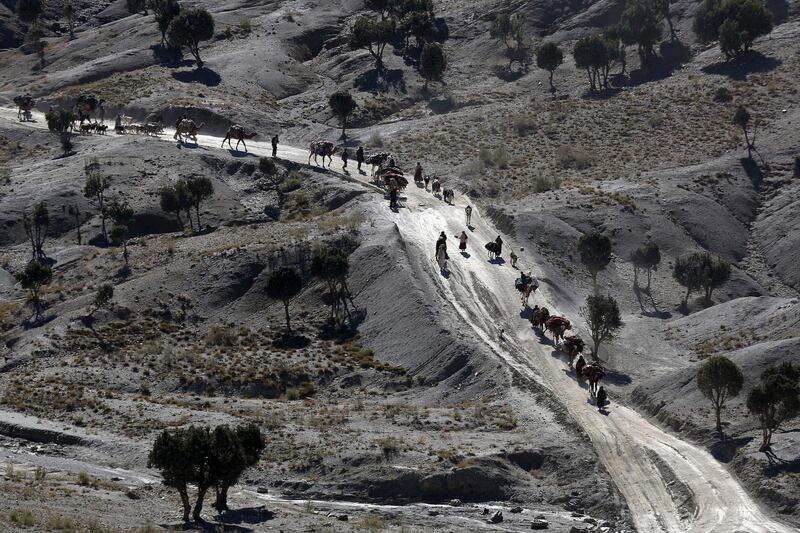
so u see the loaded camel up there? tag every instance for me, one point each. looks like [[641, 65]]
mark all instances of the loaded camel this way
[[186, 128], [539, 318], [377, 160], [323, 148], [25, 104], [86, 105], [526, 285], [448, 195], [593, 373], [558, 326], [237, 132], [572, 346]]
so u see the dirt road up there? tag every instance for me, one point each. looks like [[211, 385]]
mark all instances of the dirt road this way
[[483, 294]]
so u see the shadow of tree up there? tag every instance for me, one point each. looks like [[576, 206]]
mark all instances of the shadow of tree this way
[[208, 527], [779, 9], [372, 81], [204, 75], [738, 69], [673, 54], [725, 450], [246, 515]]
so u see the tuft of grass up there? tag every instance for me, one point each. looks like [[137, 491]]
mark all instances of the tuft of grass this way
[[573, 157], [22, 518]]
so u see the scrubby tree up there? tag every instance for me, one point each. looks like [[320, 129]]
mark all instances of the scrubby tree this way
[[641, 21], [595, 54], [122, 214], [68, 12], [701, 270], [742, 118], [33, 278], [645, 258], [509, 29], [775, 400], [95, 190], [549, 58], [433, 63], [373, 36], [199, 189], [384, 8], [103, 297], [189, 28], [718, 379], [663, 7], [35, 224], [34, 42], [60, 121], [233, 451], [603, 319], [29, 11], [172, 202], [75, 211], [284, 284], [595, 252], [137, 6], [342, 104], [420, 25], [165, 11], [735, 23], [333, 266]]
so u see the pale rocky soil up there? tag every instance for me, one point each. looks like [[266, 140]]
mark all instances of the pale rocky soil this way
[[657, 160]]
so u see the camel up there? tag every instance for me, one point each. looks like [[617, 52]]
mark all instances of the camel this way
[[86, 105], [494, 250], [572, 346], [188, 129], [448, 195], [557, 325], [24, 103], [323, 148], [593, 372], [528, 285], [377, 160], [436, 187], [237, 132], [539, 318]]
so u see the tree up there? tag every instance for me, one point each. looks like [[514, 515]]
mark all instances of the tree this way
[[735, 23], [663, 7], [68, 12], [95, 189], [75, 211], [33, 278], [645, 258], [233, 451], [170, 202], [103, 297], [34, 42], [420, 25], [199, 189], [165, 11], [35, 225], [509, 29], [29, 11], [742, 119], [775, 400], [433, 63], [701, 271], [284, 284], [373, 36], [333, 266], [642, 22], [342, 104], [384, 8], [60, 122], [189, 28], [718, 379], [603, 319], [136, 6], [549, 58], [595, 251], [595, 53], [122, 214]]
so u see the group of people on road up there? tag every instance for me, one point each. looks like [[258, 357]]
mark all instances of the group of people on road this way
[[359, 157]]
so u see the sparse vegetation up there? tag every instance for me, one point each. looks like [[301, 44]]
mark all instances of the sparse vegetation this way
[[549, 57], [189, 28], [775, 399], [734, 23], [284, 284], [595, 252], [342, 104], [701, 271], [603, 319]]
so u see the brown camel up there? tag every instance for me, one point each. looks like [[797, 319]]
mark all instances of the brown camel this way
[[323, 148], [572, 346], [188, 129], [539, 318], [558, 325], [237, 132], [593, 372]]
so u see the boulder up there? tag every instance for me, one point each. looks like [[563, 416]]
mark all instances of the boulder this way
[[516, 509], [539, 523], [497, 517]]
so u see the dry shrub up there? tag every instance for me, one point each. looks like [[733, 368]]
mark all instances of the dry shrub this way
[[525, 125], [573, 157], [218, 336]]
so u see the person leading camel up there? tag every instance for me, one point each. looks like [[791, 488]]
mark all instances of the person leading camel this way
[[601, 398], [462, 242], [360, 157], [418, 172], [499, 243], [275, 146], [468, 212]]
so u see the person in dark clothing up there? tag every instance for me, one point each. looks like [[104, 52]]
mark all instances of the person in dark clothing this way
[[418, 172], [393, 198], [345, 155], [275, 146], [442, 241], [427, 181], [499, 243], [601, 398], [360, 157]]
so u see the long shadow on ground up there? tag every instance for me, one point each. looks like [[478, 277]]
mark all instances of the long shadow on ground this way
[[739, 69]]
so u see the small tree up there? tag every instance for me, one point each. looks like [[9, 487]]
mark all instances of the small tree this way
[[775, 400], [95, 189], [75, 211], [165, 11], [68, 12], [718, 379], [103, 297], [35, 225], [645, 258], [701, 271], [420, 25], [595, 250], [663, 7], [742, 118], [735, 23], [137, 6], [603, 319], [29, 11], [642, 22], [595, 54], [122, 214], [284, 284], [33, 278], [189, 28], [170, 203], [342, 104], [433, 63], [199, 189], [233, 451], [34, 42], [549, 58], [333, 266], [509, 29], [60, 122], [373, 36]]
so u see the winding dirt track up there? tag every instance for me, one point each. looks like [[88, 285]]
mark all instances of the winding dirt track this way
[[483, 294]]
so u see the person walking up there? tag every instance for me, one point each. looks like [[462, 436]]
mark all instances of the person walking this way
[[462, 242], [601, 398], [393, 198], [468, 212], [442, 241], [345, 155], [275, 146], [499, 242], [514, 258], [427, 182], [360, 157], [418, 172]]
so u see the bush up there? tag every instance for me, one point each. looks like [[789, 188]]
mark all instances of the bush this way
[[701, 271], [549, 58], [219, 336], [189, 28], [525, 125], [432, 63], [734, 23], [718, 379], [267, 166], [569, 156], [544, 184]]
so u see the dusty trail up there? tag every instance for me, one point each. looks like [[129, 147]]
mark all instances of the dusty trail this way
[[483, 294]]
